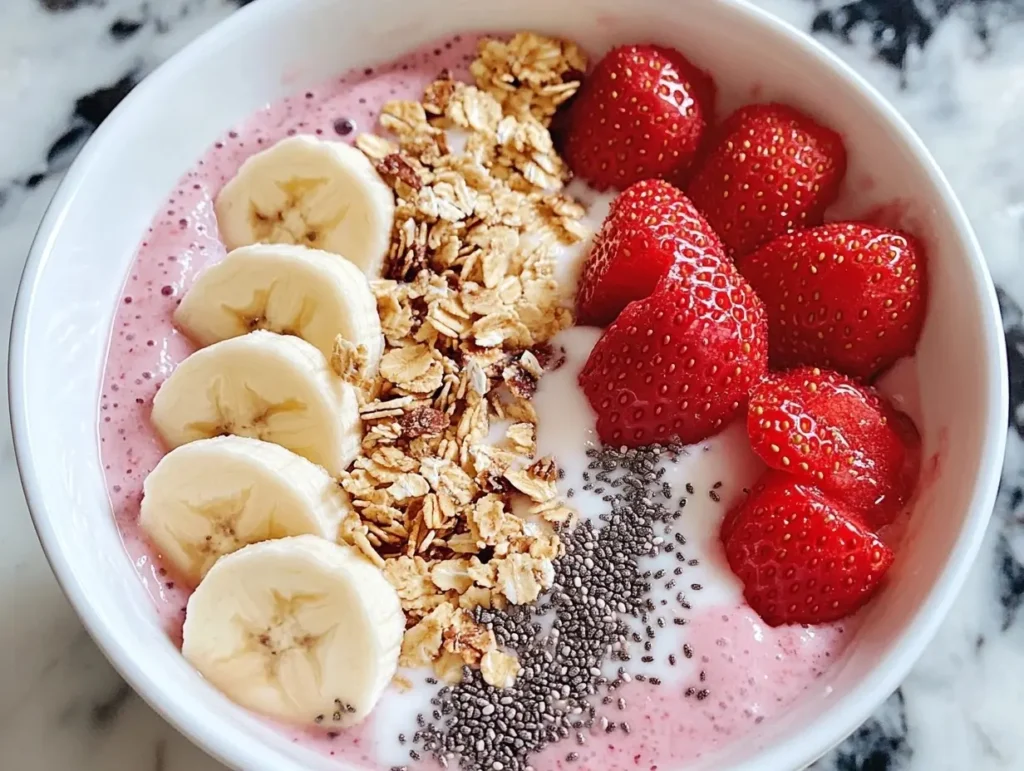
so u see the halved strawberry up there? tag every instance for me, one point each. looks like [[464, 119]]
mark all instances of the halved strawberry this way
[[827, 430], [680, 363], [846, 295], [768, 169], [802, 557], [650, 226], [641, 113]]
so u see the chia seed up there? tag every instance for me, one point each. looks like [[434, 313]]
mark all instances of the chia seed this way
[[344, 126], [599, 587]]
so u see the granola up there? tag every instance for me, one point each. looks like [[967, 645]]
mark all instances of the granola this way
[[499, 669], [529, 74], [468, 303]]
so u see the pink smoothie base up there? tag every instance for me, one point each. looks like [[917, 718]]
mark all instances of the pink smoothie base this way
[[753, 672]]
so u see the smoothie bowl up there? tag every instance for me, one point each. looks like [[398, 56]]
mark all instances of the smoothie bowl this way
[[572, 394]]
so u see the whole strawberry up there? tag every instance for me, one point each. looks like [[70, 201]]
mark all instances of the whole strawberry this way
[[802, 558], [641, 113], [679, 364], [651, 226], [827, 430], [846, 295], [768, 169]]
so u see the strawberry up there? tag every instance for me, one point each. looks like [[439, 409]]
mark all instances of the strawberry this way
[[651, 225], [846, 296], [802, 558], [768, 169], [678, 364], [641, 113], [825, 429]]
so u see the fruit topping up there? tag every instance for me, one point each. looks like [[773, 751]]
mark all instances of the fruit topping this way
[[304, 190], [263, 385], [802, 557], [827, 430], [650, 226], [300, 628], [846, 295], [679, 364], [289, 289], [213, 496], [768, 169], [641, 113]]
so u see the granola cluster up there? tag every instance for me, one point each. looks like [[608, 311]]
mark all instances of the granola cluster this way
[[529, 74], [453, 503]]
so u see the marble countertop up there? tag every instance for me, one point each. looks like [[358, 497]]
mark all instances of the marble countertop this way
[[955, 68]]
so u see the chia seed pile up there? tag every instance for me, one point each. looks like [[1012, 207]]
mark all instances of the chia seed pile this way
[[561, 692]]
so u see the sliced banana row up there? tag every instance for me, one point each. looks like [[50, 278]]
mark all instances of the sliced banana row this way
[[285, 620]]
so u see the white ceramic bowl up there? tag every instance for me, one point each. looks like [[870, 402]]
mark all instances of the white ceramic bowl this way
[[275, 47]]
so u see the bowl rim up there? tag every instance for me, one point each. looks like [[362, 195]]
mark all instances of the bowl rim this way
[[798, 752]]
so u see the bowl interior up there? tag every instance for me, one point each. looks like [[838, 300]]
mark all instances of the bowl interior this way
[[278, 46]]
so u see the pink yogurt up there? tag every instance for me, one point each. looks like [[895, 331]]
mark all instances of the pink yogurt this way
[[750, 676], [751, 672]]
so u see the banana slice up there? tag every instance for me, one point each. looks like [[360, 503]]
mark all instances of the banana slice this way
[[299, 629], [285, 288], [209, 498], [267, 386], [303, 190]]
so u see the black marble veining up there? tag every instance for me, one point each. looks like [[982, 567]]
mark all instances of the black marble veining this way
[[880, 744]]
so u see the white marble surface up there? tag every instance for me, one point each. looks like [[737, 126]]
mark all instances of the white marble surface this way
[[955, 69]]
